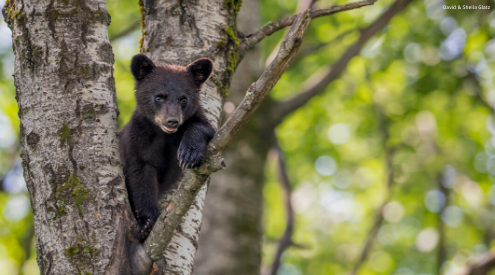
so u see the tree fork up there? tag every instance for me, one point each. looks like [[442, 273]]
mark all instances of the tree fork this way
[[194, 178]]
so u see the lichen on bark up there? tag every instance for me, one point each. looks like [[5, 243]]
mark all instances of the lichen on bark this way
[[178, 32], [66, 97]]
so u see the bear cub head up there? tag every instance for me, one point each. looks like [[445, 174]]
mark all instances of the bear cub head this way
[[168, 95]]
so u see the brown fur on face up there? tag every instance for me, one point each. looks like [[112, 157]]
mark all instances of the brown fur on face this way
[[168, 95], [167, 92], [167, 132]]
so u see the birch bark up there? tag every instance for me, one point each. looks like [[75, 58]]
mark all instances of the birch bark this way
[[178, 32], [66, 97], [65, 91], [230, 238]]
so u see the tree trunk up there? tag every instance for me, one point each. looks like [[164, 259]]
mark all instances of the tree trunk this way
[[178, 32], [230, 239], [66, 97]]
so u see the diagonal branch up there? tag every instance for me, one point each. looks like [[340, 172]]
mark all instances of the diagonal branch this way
[[134, 26], [258, 90], [194, 179], [286, 107], [485, 265], [442, 249], [479, 91], [301, 6], [377, 223], [286, 240], [270, 28], [311, 49], [368, 243]]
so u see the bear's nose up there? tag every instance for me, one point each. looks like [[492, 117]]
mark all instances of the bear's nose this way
[[172, 122]]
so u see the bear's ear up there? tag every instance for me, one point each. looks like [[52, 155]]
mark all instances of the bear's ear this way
[[141, 66], [200, 70]]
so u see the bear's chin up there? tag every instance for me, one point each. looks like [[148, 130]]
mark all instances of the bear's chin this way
[[168, 130]]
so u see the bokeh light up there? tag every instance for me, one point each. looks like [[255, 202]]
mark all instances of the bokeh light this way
[[393, 212], [427, 240], [326, 165], [339, 133], [434, 201]]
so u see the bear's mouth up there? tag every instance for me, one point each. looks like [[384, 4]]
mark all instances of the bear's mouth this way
[[169, 130]]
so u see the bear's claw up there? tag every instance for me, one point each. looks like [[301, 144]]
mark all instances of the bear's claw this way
[[190, 157], [146, 230]]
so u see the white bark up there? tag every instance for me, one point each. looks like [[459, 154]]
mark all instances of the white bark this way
[[193, 180], [65, 91], [66, 96], [226, 244], [178, 32]]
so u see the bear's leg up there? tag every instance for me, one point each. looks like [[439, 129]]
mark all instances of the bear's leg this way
[[142, 186], [193, 146]]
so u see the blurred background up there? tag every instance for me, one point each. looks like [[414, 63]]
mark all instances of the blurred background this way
[[398, 152]]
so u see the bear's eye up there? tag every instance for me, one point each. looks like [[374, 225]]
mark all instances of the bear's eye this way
[[183, 101], [159, 98]]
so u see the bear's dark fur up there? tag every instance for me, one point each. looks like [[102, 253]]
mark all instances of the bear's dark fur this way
[[167, 131]]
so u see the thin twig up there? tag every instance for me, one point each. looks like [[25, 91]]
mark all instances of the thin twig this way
[[258, 90], [286, 240], [134, 26], [479, 90], [302, 6], [442, 250], [378, 221], [194, 179], [286, 107], [488, 233], [270, 28], [369, 240], [311, 49]]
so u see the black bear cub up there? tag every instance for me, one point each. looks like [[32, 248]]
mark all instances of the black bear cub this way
[[167, 132]]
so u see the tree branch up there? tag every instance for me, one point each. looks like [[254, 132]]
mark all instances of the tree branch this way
[[258, 90], [270, 28], [301, 6], [485, 265], [389, 155], [369, 240], [311, 49], [125, 31], [479, 90], [442, 249], [194, 179], [489, 234], [286, 107], [286, 240]]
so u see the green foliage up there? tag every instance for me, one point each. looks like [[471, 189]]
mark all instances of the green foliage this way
[[434, 106], [437, 116]]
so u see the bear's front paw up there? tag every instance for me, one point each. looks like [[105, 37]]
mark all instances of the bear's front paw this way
[[190, 156]]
